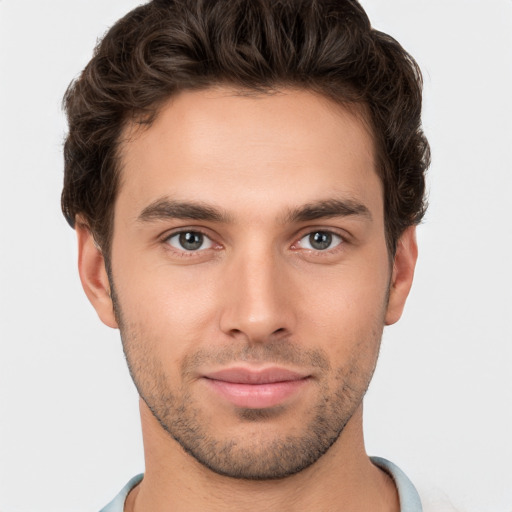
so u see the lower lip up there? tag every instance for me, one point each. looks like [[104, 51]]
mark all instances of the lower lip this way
[[256, 396]]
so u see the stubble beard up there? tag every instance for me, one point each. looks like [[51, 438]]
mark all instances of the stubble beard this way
[[258, 457]]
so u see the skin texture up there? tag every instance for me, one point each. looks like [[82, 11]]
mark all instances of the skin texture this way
[[255, 176]]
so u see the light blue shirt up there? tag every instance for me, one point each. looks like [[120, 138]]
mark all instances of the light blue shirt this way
[[407, 494]]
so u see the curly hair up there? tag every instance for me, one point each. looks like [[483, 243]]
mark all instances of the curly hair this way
[[167, 46]]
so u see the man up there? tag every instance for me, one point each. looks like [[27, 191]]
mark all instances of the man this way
[[245, 178]]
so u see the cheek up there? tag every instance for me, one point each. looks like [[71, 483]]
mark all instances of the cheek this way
[[173, 311], [349, 296], [346, 313]]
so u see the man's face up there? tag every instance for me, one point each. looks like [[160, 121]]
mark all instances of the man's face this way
[[250, 275]]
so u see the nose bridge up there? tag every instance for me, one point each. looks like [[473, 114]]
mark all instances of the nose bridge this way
[[257, 291]]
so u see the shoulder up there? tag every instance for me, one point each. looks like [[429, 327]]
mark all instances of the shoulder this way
[[435, 500]]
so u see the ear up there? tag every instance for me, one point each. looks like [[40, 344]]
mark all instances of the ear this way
[[402, 275], [93, 274]]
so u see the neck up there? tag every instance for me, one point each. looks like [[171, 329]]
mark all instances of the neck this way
[[342, 479]]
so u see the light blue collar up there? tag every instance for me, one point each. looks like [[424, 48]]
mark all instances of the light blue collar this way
[[407, 494]]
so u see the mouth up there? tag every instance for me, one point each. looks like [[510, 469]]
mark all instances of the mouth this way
[[256, 389]]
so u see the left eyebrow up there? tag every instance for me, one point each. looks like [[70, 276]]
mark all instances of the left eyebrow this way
[[327, 209]]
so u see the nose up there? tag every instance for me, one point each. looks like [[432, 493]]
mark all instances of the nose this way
[[257, 298]]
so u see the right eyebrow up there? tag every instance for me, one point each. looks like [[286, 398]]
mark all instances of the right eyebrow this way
[[165, 208]]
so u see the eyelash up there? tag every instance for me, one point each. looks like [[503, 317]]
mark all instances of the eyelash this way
[[295, 246]]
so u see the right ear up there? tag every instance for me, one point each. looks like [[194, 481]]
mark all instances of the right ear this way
[[93, 274]]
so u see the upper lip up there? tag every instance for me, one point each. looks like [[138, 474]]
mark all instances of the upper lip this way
[[239, 375]]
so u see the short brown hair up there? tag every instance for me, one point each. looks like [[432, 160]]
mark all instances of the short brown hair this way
[[167, 46]]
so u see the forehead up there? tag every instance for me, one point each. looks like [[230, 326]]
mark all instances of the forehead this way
[[243, 149]]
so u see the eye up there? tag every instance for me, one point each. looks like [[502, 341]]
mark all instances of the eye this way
[[320, 241], [190, 241]]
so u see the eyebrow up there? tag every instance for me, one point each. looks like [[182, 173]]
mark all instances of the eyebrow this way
[[164, 208], [326, 209]]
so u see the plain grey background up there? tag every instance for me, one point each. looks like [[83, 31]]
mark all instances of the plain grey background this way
[[440, 405]]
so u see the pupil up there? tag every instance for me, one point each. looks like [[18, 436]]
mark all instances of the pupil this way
[[191, 241], [320, 240]]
